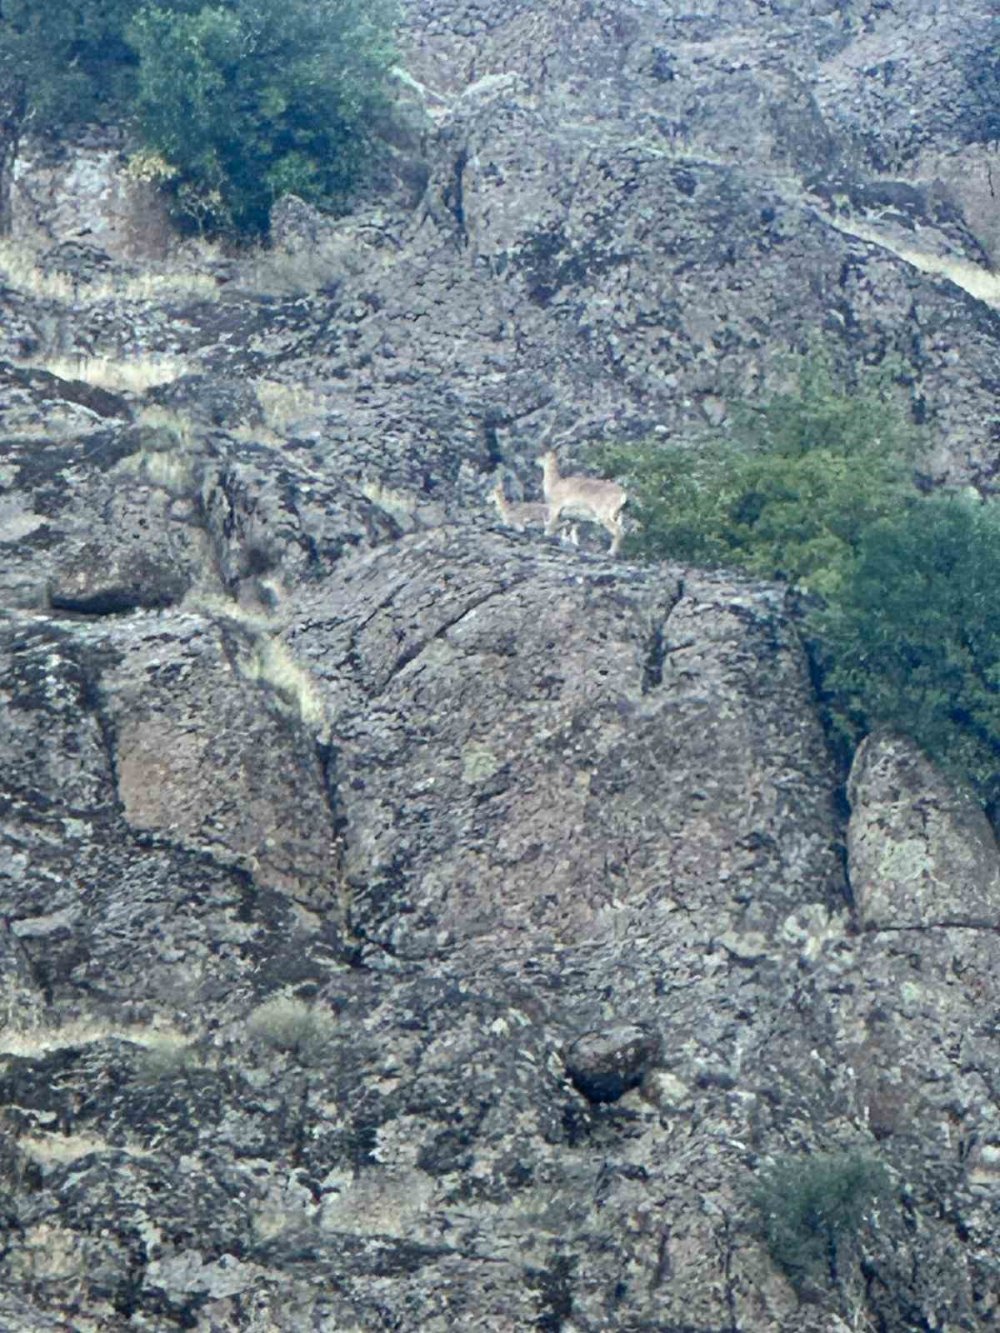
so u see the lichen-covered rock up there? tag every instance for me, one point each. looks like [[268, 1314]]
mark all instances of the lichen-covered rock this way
[[142, 559], [87, 523], [508, 729], [276, 520], [210, 748], [296, 225], [77, 260], [605, 1065], [60, 193], [920, 851], [85, 888], [408, 922]]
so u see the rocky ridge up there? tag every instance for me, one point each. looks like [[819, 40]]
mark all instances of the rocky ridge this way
[[409, 923]]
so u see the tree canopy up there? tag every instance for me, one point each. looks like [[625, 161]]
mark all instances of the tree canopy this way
[[815, 487], [240, 100]]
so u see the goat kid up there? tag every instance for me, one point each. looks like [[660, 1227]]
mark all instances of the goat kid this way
[[523, 514]]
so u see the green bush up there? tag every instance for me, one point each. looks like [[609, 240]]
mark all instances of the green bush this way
[[252, 99], [815, 488], [67, 61], [244, 100], [912, 640], [788, 497], [286, 1023], [811, 1209]]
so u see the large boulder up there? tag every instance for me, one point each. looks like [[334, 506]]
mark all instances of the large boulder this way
[[920, 850]]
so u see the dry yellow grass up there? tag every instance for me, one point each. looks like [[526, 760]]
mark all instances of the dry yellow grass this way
[[173, 473], [166, 420], [280, 273], [20, 268], [271, 664], [51, 1150], [266, 660], [400, 504], [217, 607], [979, 282], [33, 1040], [285, 407], [982, 283], [127, 374], [166, 458], [157, 286]]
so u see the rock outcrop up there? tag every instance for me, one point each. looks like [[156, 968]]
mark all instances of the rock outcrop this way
[[411, 923]]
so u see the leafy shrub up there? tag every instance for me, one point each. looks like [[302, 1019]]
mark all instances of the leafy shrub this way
[[912, 640], [237, 101], [788, 498], [811, 1209], [816, 489], [164, 1057], [286, 1023], [252, 99], [69, 61]]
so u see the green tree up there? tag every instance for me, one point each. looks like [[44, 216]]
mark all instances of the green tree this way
[[251, 99], [243, 100], [912, 640], [789, 497], [816, 489], [67, 62]]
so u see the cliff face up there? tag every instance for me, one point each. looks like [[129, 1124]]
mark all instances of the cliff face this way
[[410, 923]]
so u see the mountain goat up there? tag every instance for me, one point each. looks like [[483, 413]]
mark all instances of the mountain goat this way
[[588, 498]]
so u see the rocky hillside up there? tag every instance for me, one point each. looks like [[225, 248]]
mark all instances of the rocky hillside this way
[[410, 923]]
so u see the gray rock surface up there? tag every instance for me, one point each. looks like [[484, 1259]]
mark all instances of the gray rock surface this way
[[920, 853], [410, 923], [60, 191]]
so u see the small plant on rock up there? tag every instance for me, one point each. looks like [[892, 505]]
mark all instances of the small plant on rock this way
[[286, 1023], [811, 1210], [166, 1056]]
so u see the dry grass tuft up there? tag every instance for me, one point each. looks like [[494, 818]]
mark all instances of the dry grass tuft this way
[[166, 456], [20, 268], [34, 1040], [286, 1023], [157, 287], [287, 408], [124, 374], [300, 272], [981, 283], [173, 473], [401, 505], [271, 664], [287, 405], [165, 422], [218, 607], [52, 1150]]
